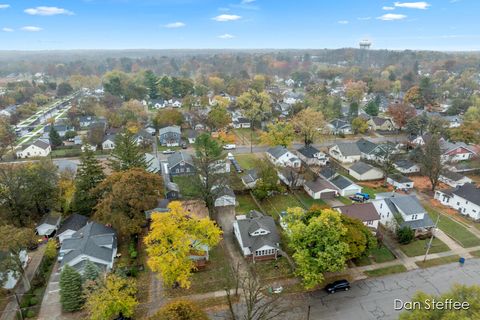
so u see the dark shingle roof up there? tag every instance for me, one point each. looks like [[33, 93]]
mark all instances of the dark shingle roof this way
[[253, 222], [277, 151], [308, 151], [250, 176], [454, 176], [361, 167], [319, 185], [328, 172], [399, 178], [341, 182], [349, 149], [178, 157], [404, 164], [408, 204], [469, 192], [74, 222], [365, 146], [362, 211]]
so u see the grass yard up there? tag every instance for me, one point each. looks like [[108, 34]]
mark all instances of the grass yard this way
[[246, 160], [245, 204], [437, 261], [418, 247], [362, 261], [381, 254], [271, 270], [309, 201], [214, 277], [373, 191], [454, 229], [344, 200], [399, 268], [188, 189], [476, 253], [280, 202]]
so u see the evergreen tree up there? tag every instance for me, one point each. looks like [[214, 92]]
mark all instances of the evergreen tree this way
[[55, 138], [71, 289], [127, 154], [353, 110], [372, 108], [90, 271], [89, 175], [151, 81]]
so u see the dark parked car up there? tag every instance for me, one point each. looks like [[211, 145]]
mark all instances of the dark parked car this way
[[340, 285]]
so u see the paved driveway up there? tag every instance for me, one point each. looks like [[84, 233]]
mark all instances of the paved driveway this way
[[374, 298], [51, 307]]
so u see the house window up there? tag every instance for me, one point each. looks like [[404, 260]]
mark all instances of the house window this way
[[458, 203]]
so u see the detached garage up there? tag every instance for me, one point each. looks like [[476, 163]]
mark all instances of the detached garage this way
[[364, 172], [320, 189], [345, 186]]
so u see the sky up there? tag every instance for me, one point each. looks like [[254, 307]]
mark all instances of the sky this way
[[450, 25]]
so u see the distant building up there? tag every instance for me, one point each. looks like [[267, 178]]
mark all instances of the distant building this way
[[39, 148]]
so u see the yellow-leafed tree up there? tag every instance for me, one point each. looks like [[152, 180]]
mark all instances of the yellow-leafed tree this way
[[174, 237]]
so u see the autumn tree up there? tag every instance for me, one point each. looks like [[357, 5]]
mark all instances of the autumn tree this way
[[180, 310], [468, 131], [318, 245], [127, 154], [417, 125], [7, 137], [167, 117], [66, 190], [117, 296], [218, 118], [13, 241], [355, 90], [187, 234], [400, 113], [414, 96], [123, 198], [359, 125], [359, 238], [280, 133], [71, 296], [431, 161], [308, 122], [89, 175], [267, 179]]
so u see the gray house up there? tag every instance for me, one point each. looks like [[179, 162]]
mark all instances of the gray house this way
[[170, 136], [180, 164]]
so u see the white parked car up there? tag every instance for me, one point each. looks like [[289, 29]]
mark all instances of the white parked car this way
[[229, 147], [168, 151], [230, 156]]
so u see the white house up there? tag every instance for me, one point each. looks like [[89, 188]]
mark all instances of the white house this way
[[48, 225], [109, 142], [454, 179], [345, 186], [399, 181], [257, 236], [224, 196], [456, 151], [345, 152], [39, 148], [364, 172], [250, 178], [320, 189], [465, 199], [364, 212], [312, 156], [406, 166], [280, 156]]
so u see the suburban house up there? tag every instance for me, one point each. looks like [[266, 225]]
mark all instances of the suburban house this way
[[192, 136], [60, 128], [94, 242], [345, 152], [170, 136], [158, 103], [406, 166], [465, 199], [250, 178], [280, 156], [143, 137], [39, 148], [338, 126], [291, 177], [421, 140], [454, 179], [320, 189], [241, 122], [399, 181], [172, 191], [345, 186], [456, 151], [153, 164], [312, 156], [257, 236], [109, 142], [224, 196], [70, 225], [364, 172], [381, 124], [48, 225], [404, 210], [180, 164], [86, 121], [11, 278], [364, 212]]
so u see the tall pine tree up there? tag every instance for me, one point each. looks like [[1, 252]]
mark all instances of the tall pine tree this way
[[71, 296], [55, 138], [90, 271], [127, 154], [89, 175]]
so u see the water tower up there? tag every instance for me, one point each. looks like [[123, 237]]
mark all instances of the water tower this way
[[365, 44]]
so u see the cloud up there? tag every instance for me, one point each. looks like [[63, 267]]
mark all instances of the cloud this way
[[7, 30], [364, 18], [31, 29], [226, 17], [392, 17], [226, 36], [4, 6], [342, 21], [247, 1], [388, 8], [47, 11], [412, 5], [175, 25]]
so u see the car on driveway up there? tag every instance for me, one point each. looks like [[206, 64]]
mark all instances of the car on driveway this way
[[340, 285], [168, 151], [229, 147]]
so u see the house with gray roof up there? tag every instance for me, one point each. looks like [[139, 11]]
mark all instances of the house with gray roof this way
[[365, 172], [382, 124], [312, 156], [465, 199], [70, 225], [280, 156], [224, 196], [399, 181], [180, 164], [39, 148], [257, 236], [48, 225], [94, 242], [345, 186], [364, 212], [249, 179], [339, 126], [406, 166], [345, 152], [153, 164], [320, 189], [170, 136], [453, 179], [108, 142]]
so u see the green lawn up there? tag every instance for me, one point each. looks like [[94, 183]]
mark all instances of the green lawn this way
[[454, 229], [188, 189], [216, 275], [245, 204], [373, 191], [271, 270], [399, 268], [309, 201], [437, 261], [280, 202], [246, 160], [344, 200], [476, 253], [362, 261], [418, 247], [382, 254]]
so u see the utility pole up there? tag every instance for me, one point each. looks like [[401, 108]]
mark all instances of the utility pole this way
[[308, 313], [431, 239]]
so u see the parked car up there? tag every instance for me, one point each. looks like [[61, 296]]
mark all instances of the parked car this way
[[340, 285], [230, 156], [168, 151], [229, 147], [184, 145]]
